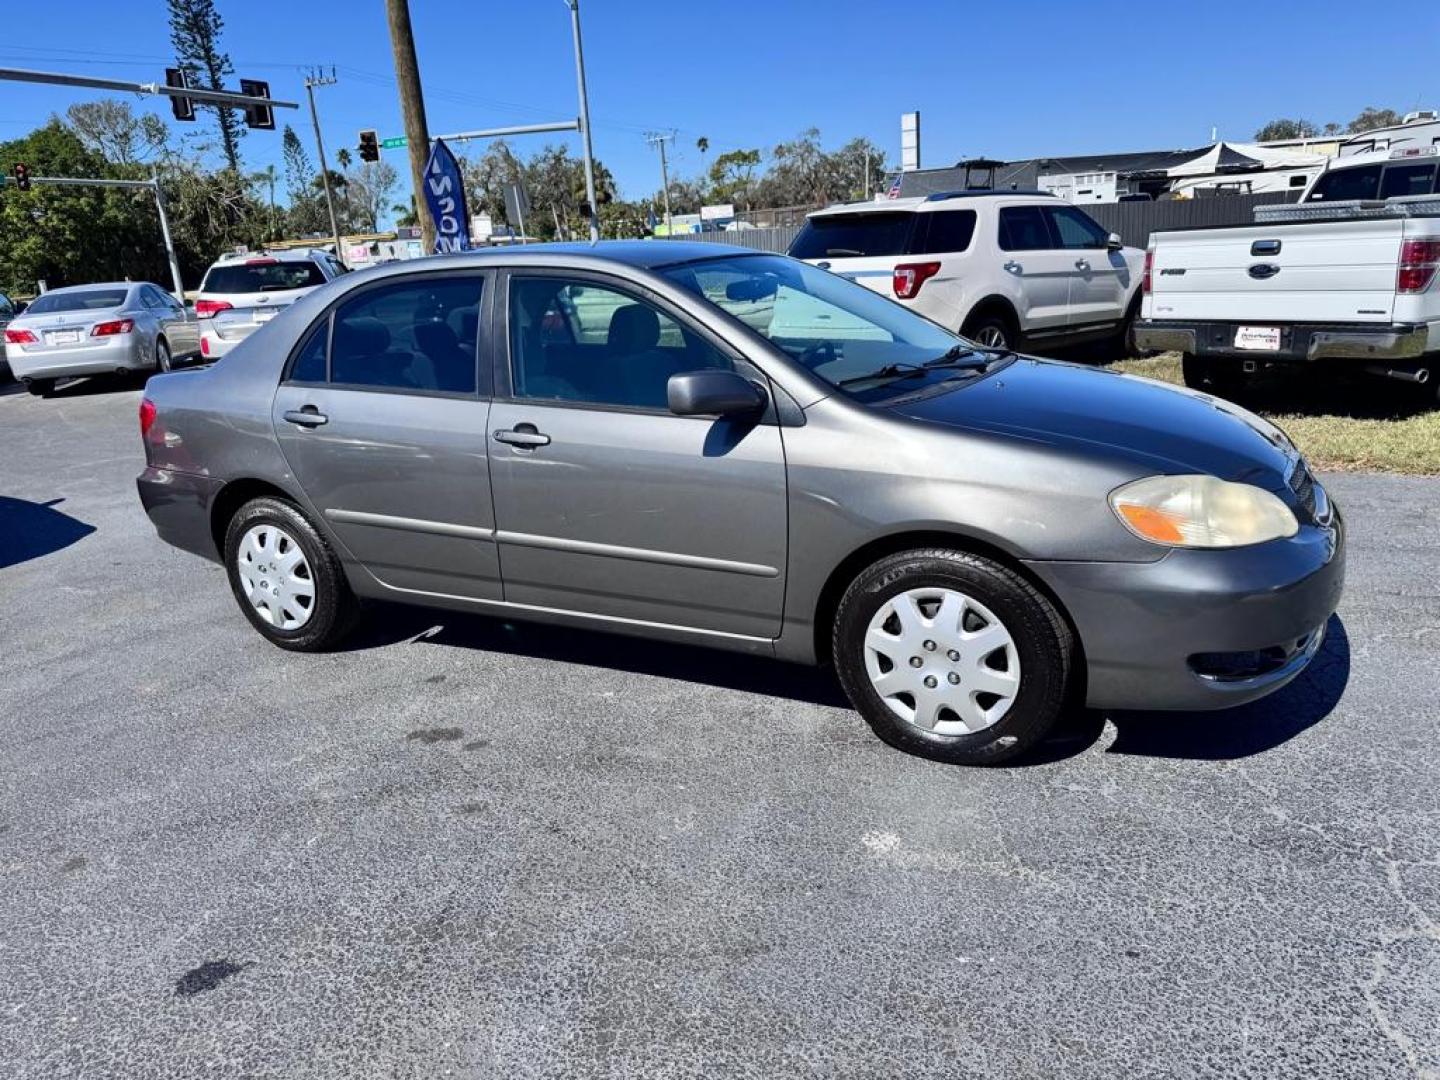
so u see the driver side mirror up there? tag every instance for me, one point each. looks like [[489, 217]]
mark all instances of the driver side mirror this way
[[1113, 242], [712, 393]]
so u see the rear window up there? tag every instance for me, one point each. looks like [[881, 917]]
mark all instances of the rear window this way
[[946, 231], [1341, 184], [1407, 180], [89, 300], [262, 277], [847, 236]]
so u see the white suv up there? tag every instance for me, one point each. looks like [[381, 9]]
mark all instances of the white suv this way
[[241, 293], [1001, 268]]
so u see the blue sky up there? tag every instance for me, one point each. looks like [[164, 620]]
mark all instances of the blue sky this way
[[1008, 79]]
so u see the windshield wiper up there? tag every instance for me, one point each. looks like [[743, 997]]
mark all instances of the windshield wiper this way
[[843, 251], [889, 371], [955, 352]]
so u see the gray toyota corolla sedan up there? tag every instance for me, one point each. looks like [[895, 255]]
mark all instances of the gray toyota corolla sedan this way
[[712, 445]]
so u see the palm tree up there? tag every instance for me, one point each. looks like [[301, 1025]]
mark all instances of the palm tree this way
[[268, 176]]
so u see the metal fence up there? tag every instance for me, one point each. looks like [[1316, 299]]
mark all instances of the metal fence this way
[[1134, 221]]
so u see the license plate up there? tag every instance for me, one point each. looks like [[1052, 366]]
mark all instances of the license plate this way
[[64, 337], [1261, 338], [265, 316]]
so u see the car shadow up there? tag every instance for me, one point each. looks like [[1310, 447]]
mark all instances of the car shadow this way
[[388, 624], [29, 530], [1204, 736], [100, 384]]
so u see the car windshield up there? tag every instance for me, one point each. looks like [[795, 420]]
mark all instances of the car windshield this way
[[267, 275], [83, 300], [851, 235], [847, 335]]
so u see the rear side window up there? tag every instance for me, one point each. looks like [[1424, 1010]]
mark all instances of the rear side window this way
[[412, 336], [945, 231], [1023, 228], [1408, 180], [1075, 229], [845, 236], [262, 276], [1341, 184]]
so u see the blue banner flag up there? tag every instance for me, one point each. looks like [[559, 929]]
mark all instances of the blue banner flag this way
[[445, 196]]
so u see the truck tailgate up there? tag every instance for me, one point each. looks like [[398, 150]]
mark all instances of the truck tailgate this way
[[1337, 271]]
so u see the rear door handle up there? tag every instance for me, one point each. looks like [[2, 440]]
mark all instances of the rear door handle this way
[[1081, 264], [1013, 266], [309, 416], [522, 435]]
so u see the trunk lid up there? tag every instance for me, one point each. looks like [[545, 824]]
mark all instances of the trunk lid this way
[[1335, 271]]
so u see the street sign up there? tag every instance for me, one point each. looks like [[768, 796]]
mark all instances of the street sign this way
[[394, 144]]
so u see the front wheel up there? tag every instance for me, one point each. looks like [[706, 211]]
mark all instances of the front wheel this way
[[41, 387], [952, 656], [285, 577]]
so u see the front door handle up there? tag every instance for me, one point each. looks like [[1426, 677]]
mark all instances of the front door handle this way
[[309, 416], [526, 435]]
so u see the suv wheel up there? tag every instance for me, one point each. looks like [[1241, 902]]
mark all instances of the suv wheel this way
[[287, 580], [952, 656], [992, 331]]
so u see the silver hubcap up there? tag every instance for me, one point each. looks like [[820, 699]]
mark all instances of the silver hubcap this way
[[276, 577], [991, 337], [162, 357], [942, 661]]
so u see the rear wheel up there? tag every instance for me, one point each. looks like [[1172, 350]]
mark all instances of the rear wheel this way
[[285, 577], [1223, 378], [41, 387], [952, 656], [162, 355], [992, 330]]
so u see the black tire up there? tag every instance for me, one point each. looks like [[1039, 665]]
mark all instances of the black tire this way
[[994, 326], [41, 387], [162, 356], [1043, 642], [333, 609], [1223, 378]]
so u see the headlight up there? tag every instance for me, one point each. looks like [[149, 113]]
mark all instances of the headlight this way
[[1201, 512]]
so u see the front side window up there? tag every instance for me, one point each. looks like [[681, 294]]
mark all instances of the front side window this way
[[852, 338], [410, 336], [1342, 184], [579, 342], [1074, 229], [310, 362], [1023, 228], [851, 235]]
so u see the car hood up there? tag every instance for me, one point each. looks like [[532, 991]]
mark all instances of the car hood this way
[[1156, 427]]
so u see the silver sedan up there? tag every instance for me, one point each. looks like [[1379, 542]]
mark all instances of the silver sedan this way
[[97, 329]]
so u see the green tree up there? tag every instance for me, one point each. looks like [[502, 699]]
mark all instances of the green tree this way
[[1286, 129], [1371, 118], [195, 28], [732, 176]]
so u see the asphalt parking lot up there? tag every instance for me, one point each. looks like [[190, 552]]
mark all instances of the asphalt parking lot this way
[[475, 849]]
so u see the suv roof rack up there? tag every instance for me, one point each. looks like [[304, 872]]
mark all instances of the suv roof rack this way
[[970, 193]]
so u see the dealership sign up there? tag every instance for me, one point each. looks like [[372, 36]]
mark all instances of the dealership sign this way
[[445, 196]]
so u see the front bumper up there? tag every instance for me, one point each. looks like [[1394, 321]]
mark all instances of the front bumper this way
[[1298, 341], [127, 352], [1151, 631]]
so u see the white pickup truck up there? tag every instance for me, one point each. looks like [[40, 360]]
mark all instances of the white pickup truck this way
[[1347, 276]]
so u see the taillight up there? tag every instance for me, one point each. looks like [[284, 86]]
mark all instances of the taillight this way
[[1149, 269], [110, 329], [147, 416], [204, 345], [1419, 260], [20, 337], [207, 309], [909, 277]]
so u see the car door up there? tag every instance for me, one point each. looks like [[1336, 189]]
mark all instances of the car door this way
[[1039, 270], [608, 504], [166, 323], [1099, 277], [185, 328], [382, 416]]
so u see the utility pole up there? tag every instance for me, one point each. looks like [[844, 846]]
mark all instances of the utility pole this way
[[574, 6], [412, 105], [658, 140], [312, 81]]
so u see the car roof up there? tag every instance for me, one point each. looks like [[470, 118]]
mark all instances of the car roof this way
[[1400, 155], [640, 254], [283, 255], [928, 202], [95, 285]]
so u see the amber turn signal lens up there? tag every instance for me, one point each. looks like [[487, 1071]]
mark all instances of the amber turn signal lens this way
[[1152, 524]]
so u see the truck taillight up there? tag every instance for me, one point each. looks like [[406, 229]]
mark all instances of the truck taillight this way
[[1149, 269], [1419, 260], [908, 278]]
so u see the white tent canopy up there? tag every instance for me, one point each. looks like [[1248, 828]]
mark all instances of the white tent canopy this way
[[1228, 157]]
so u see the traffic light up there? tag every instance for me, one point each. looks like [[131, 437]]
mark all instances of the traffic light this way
[[369, 146], [182, 107], [261, 117], [22, 176]]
